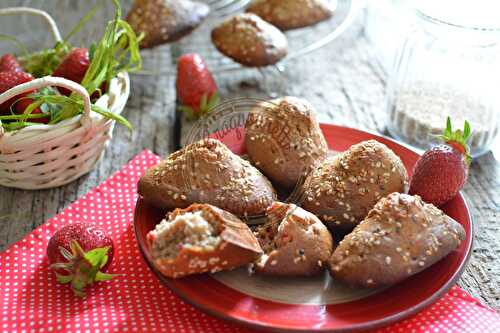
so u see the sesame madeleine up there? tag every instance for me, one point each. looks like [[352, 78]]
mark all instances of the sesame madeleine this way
[[292, 137], [292, 14], [250, 41], [345, 187], [294, 241], [207, 172], [164, 21], [201, 239], [401, 236]]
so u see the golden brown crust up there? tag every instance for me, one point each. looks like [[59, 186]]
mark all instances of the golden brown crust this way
[[238, 246], [164, 21], [292, 137], [345, 187], [301, 246], [292, 14], [401, 236], [249, 40], [207, 172]]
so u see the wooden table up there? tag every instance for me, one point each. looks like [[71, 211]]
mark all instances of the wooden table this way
[[345, 84]]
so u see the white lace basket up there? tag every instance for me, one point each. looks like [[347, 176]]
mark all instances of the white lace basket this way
[[47, 156]]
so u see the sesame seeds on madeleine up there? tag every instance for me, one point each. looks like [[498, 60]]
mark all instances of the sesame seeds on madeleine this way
[[294, 141], [343, 189], [200, 239], [207, 172], [401, 236], [164, 21], [292, 14], [250, 41]]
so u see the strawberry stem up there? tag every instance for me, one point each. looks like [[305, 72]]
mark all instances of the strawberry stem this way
[[83, 267], [458, 138]]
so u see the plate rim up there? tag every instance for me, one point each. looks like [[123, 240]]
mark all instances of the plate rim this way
[[372, 324]]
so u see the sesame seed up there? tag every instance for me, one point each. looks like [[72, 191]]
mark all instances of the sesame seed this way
[[369, 281], [421, 263], [388, 260], [274, 262]]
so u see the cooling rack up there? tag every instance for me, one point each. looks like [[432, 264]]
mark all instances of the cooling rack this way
[[301, 41], [67, 12]]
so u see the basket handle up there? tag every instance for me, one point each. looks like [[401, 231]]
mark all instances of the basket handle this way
[[46, 81], [37, 12]]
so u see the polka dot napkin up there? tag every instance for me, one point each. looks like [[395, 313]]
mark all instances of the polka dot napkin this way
[[32, 301]]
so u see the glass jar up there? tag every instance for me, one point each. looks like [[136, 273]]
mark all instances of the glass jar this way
[[448, 65]]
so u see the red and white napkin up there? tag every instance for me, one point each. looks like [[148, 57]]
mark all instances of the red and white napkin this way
[[32, 301]]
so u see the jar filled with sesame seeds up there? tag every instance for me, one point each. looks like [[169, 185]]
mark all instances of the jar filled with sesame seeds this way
[[448, 65]]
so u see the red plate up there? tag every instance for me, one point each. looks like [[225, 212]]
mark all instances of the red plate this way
[[389, 305]]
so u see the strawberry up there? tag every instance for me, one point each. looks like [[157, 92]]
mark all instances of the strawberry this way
[[73, 67], [196, 87], [80, 253], [442, 171], [9, 80], [8, 63], [21, 105]]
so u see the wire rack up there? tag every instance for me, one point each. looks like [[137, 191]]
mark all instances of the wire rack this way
[[67, 12], [301, 41]]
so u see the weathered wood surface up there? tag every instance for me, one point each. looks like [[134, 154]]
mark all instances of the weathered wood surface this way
[[346, 85]]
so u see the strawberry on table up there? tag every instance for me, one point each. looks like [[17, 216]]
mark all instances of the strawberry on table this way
[[8, 63], [196, 87], [80, 253], [442, 171]]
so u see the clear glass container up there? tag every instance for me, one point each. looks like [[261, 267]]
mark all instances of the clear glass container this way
[[448, 65]]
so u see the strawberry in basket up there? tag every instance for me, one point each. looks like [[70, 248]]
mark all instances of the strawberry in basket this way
[[9, 63], [61, 103], [73, 67], [92, 67]]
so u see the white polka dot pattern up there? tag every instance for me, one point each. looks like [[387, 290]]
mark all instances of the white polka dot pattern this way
[[32, 301]]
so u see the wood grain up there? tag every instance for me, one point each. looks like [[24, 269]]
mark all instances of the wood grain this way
[[345, 84]]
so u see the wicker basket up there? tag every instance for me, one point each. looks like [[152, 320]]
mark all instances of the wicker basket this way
[[47, 156]]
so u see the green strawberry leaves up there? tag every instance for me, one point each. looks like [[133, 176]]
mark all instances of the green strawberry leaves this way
[[64, 279], [458, 138], [98, 257], [100, 276], [206, 105], [83, 268]]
